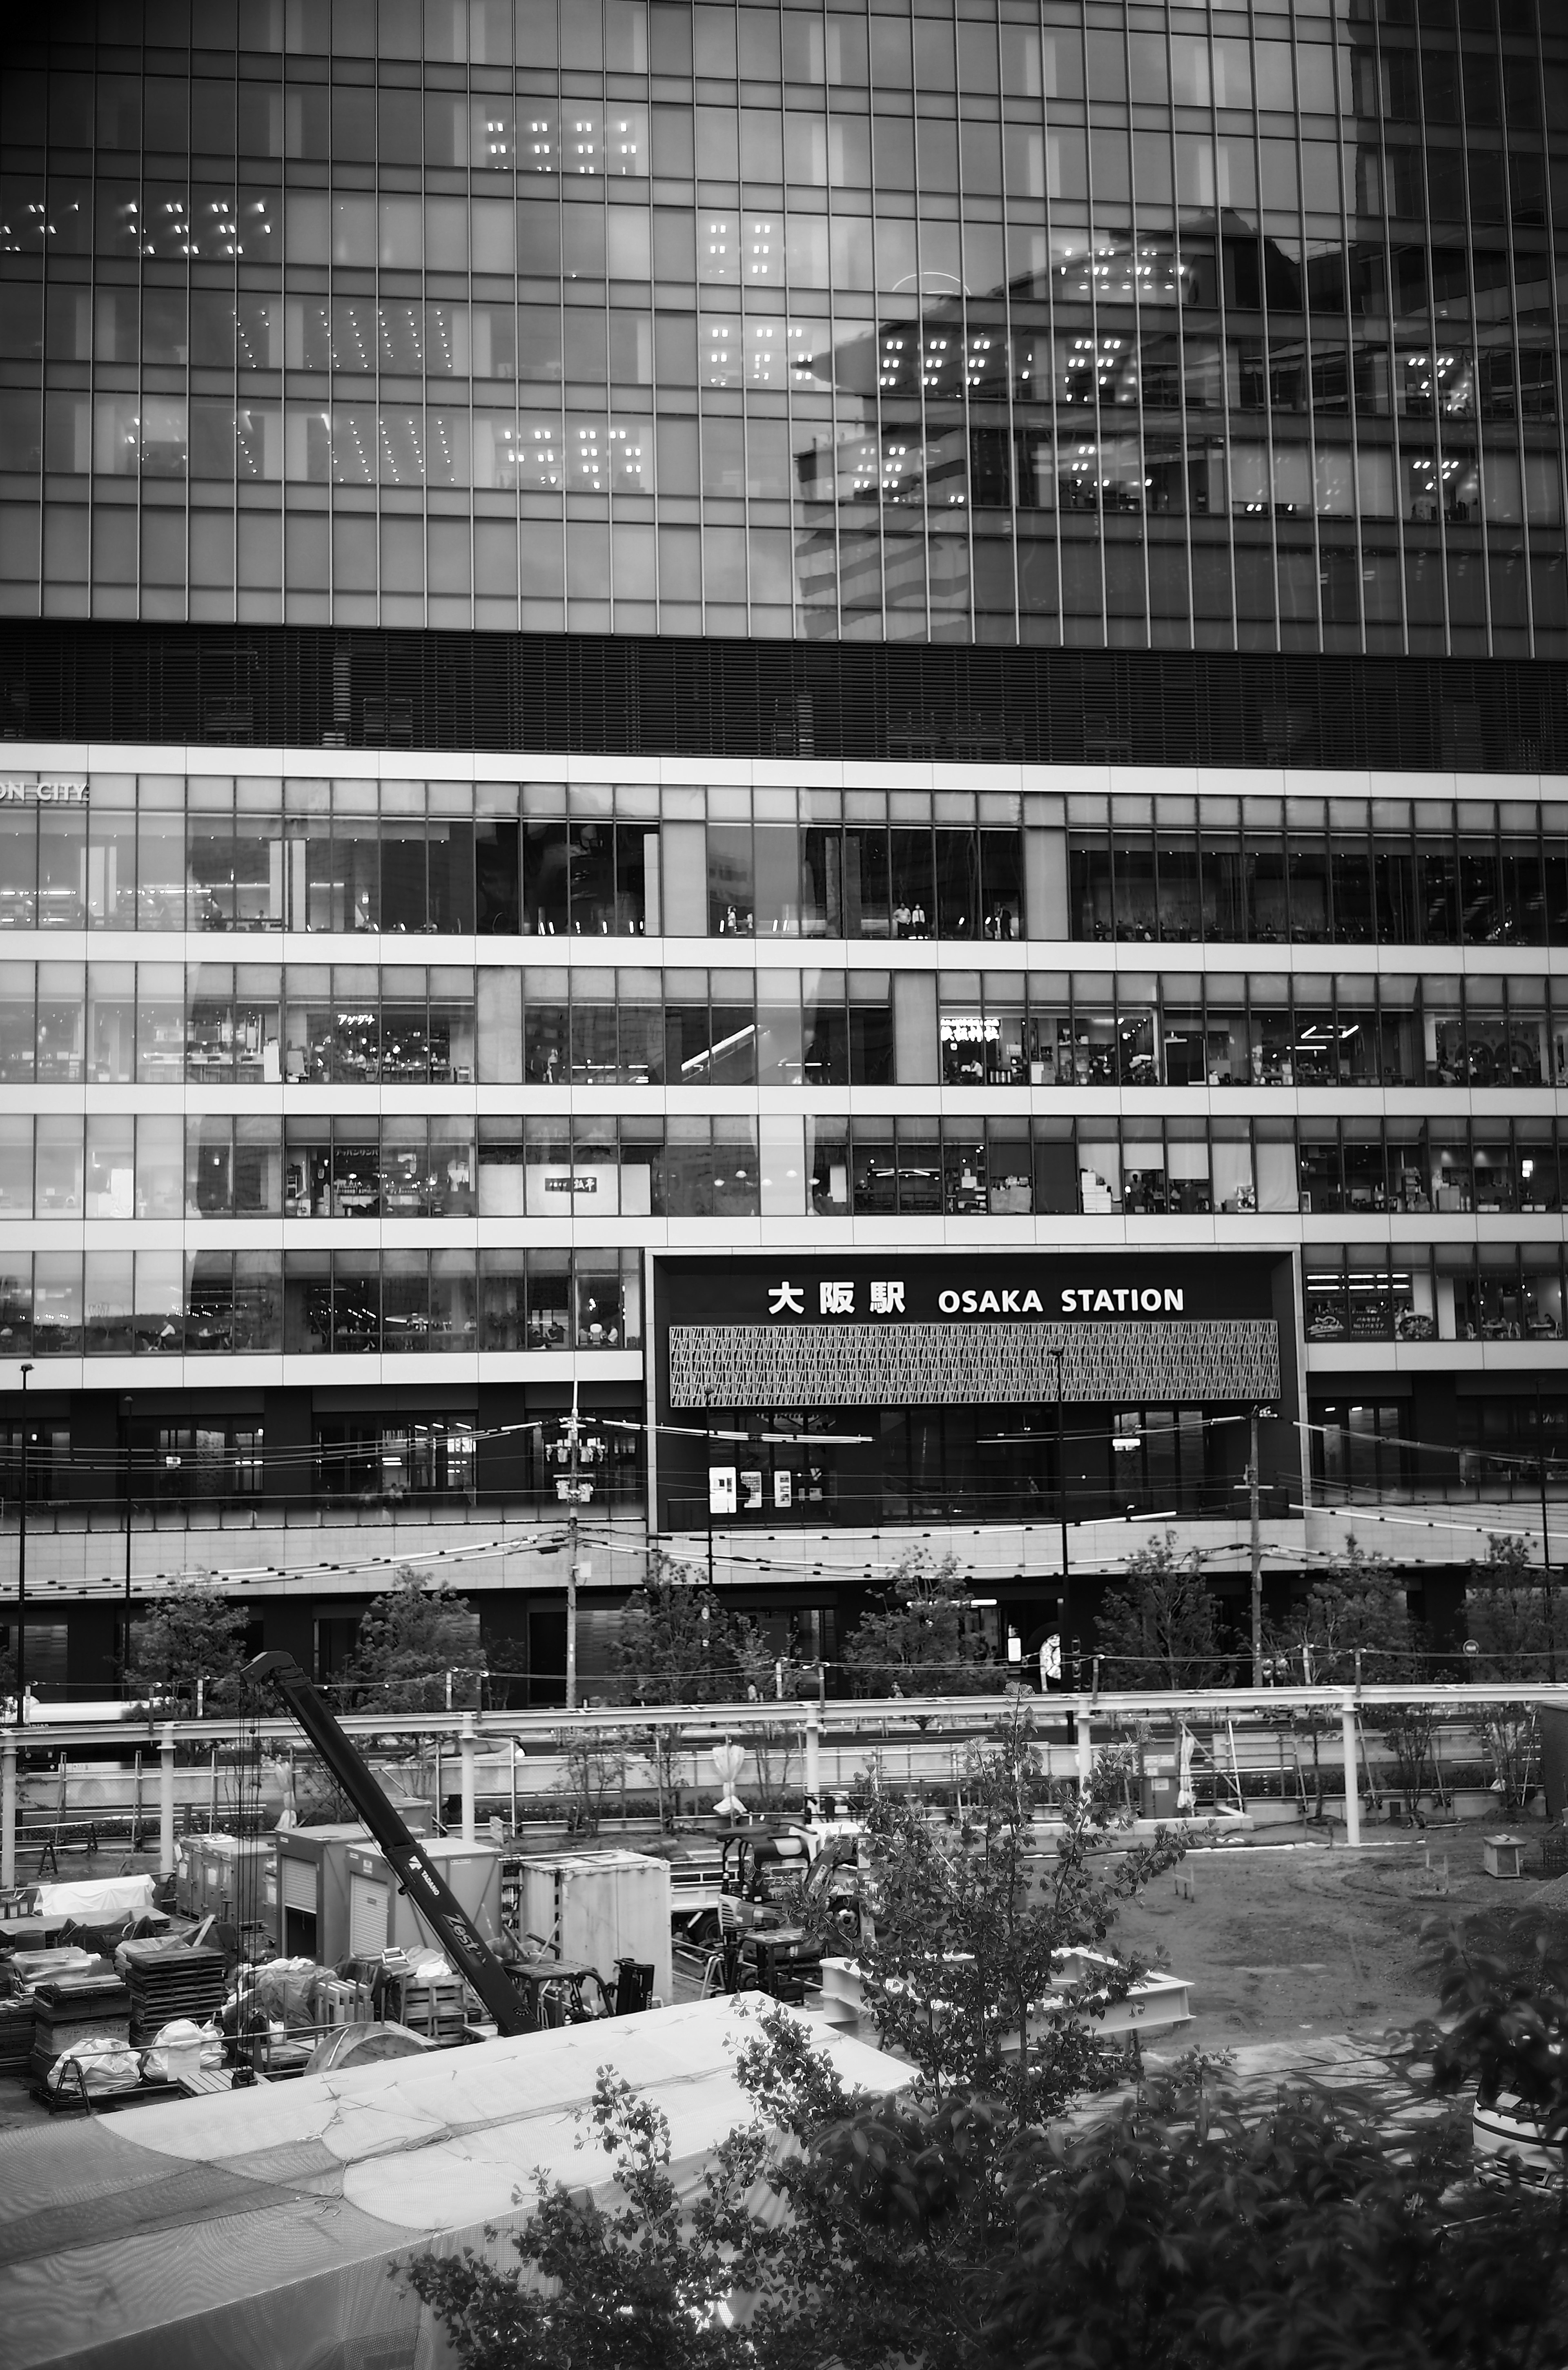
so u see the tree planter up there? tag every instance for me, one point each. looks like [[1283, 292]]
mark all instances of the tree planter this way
[[1274, 1814]]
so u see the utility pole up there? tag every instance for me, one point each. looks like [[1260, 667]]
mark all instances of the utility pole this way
[[125, 1657], [22, 1565], [1546, 1588], [1256, 1557]]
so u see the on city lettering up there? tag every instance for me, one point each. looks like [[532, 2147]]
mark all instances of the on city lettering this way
[[64, 792]]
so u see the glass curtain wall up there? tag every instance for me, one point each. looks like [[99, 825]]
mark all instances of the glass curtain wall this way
[[1089, 327]]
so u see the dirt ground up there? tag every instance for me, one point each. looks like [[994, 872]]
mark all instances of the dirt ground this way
[[1283, 1945]]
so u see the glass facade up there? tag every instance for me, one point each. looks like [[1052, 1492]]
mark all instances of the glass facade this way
[[355, 856], [461, 854], [1078, 324], [216, 1304], [689, 1030]]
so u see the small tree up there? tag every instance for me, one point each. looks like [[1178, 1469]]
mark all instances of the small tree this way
[[1356, 1628], [926, 1640], [595, 1769], [188, 1648], [410, 1640], [1518, 1627], [1315, 1642], [1375, 1616], [677, 1646], [764, 1677], [1157, 1627], [967, 1930], [1296, 1642]]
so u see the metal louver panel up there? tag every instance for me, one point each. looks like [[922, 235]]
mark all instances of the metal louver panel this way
[[300, 687]]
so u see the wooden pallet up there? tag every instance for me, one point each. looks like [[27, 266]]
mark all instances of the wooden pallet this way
[[202, 2084], [188, 1984], [67, 2013], [19, 2018], [435, 2009]]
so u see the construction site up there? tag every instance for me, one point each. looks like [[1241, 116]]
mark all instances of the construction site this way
[[281, 1938]]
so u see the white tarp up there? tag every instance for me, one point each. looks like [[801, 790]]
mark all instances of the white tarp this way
[[260, 2229], [100, 1901]]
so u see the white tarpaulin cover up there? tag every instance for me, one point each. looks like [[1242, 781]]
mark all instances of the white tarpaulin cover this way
[[102, 1903], [258, 2228]]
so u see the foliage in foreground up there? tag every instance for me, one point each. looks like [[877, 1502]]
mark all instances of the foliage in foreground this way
[[1171, 2234], [968, 1923], [958, 2224]]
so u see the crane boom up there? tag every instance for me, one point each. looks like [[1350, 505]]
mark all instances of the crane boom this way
[[414, 1869]]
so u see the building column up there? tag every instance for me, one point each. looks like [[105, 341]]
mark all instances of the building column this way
[[1085, 1749], [813, 1757], [1352, 1776]]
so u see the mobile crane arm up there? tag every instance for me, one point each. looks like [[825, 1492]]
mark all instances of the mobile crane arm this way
[[415, 1871]]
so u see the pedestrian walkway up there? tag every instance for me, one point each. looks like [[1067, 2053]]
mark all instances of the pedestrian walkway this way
[[1376, 2071]]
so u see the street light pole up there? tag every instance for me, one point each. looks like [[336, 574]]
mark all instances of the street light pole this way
[[1257, 1555], [708, 1461], [22, 1565], [1058, 1352]]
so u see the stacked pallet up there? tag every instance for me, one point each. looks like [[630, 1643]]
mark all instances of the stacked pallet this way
[[166, 1984], [437, 2009], [73, 2009], [17, 2015]]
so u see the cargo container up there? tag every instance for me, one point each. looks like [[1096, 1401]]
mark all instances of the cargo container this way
[[231, 1877], [598, 1907], [382, 1916], [313, 1891]]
